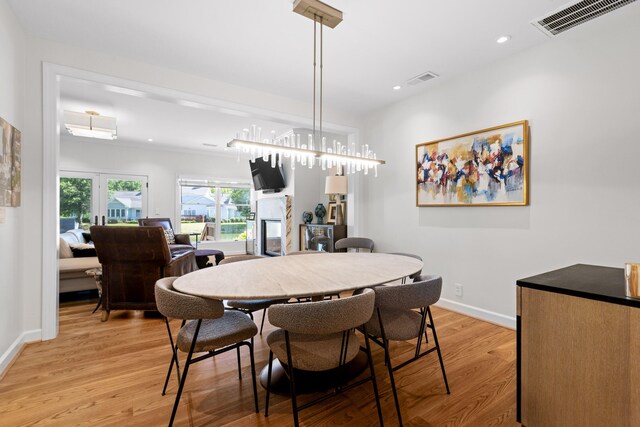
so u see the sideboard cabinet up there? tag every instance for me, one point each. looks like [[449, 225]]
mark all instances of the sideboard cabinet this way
[[321, 237]]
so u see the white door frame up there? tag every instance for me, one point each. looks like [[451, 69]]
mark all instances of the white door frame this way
[[104, 192], [52, 74]]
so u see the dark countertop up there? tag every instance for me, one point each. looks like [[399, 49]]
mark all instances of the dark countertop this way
[[584, 281]]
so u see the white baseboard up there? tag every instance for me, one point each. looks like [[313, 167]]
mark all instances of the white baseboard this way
[[478, 313], [14, 349]]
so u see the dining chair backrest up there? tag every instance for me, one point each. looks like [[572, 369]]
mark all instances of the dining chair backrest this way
[[423, 292], [306, 253], [417, 273], [238, 258], [324, 317], [176, 305], [355, 243], [406, 254]]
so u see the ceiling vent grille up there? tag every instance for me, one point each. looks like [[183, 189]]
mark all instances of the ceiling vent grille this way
[[429, 75], [575, 14]]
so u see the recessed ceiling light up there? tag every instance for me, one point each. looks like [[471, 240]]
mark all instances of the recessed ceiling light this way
[[397, 87], [503, 39], [150, 139]]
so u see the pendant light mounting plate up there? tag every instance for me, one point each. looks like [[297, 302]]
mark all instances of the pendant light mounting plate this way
[[318, 11]]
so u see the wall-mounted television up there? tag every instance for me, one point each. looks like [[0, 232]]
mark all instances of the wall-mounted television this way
[[266, 178]]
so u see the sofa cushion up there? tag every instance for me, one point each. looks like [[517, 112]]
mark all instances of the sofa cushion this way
[[171, 238], [74, 265], [83, 250], [65, 249], [71, 237]]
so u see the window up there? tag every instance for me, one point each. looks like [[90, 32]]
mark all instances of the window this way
[[217, 212]]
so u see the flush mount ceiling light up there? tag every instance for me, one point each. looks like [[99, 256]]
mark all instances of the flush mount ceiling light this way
[[503, 39], [90, 125], [316, 149], [397, 87]]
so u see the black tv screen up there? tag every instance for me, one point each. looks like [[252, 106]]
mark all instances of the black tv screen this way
[[265, 177]]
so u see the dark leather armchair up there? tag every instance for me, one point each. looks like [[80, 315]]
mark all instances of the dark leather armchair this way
[[133, 259], [182, 240]]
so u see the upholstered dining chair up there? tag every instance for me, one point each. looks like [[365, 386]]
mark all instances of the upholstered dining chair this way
[[212, 329], [320, 336], [394, 319], [356, 243], [414, 275], [250, 306]]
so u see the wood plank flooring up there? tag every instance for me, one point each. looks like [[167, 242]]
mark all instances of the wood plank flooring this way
[[104, 374]]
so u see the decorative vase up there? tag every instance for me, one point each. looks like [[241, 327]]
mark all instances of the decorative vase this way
[[307, 217], [321, 211]]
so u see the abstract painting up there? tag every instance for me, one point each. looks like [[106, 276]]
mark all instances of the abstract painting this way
[[9, 164], [488, 167]]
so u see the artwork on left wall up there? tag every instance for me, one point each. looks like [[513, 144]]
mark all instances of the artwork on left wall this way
[[10, 167], [488, 167]]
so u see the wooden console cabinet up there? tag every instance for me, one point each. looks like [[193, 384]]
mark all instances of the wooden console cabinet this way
[[578, 345], [321, 237]]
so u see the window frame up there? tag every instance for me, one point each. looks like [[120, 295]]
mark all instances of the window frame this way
[[218, 185]]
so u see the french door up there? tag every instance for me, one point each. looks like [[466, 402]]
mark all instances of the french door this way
[[98, 198]]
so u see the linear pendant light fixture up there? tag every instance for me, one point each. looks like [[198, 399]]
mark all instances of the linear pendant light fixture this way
[[346, 158], [90, 125]]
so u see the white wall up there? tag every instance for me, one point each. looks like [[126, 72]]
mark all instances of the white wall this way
[[12, 238], [46, 51], [581, 94]]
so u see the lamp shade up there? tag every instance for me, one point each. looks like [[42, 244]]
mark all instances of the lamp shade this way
[[335, 185]]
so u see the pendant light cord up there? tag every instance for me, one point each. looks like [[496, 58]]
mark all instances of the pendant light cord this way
[[315, 18], [321, 56]]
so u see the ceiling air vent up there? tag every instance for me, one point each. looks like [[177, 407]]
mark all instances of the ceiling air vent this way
[[576, 13], [422, 78]]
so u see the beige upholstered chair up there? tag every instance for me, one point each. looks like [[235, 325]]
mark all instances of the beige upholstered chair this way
[[306, 253], [249, 306], [394, 319], [319, 336], [356, 243], [213, 331], [414, 275]]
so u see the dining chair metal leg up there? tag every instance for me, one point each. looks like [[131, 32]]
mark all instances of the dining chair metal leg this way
[[239, 367], [423, 322], [387, 359], [174, 358], [253, 377], [264, 314], [435, 340], [292, 381], [266, 408], [184, 373], [373, 375]]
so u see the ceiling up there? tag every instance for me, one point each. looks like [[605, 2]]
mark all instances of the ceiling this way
[[169, 124], [263, 45]]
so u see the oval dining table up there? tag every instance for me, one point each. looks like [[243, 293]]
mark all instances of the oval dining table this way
[[308, 275]]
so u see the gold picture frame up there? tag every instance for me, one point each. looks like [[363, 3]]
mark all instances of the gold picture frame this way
[[331, 212], [488, 167]]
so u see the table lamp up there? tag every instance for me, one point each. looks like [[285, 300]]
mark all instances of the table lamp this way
[[337, 185]]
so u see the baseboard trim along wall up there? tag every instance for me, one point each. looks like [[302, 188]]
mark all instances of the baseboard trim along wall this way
[[478, 313], [16, 347]]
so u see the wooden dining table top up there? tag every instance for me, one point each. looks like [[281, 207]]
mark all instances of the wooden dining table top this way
[[295, 276]]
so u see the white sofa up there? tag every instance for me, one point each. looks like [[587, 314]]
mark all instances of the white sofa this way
[[72, 270]]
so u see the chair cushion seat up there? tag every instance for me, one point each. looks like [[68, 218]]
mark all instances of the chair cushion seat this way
[[231, 328], [399, 325], [313, 352], [253, 304]]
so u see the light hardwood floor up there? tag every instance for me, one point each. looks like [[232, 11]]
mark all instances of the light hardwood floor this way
[[112, 373]]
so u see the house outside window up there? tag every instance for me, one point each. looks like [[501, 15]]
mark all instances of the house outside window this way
[[217, 212]]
